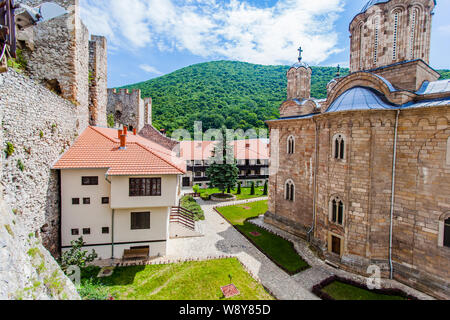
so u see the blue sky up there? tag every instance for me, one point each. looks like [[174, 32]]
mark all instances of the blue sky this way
[[150, 38]]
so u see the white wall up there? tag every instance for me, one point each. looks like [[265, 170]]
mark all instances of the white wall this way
[[95, 215], [120, 193]]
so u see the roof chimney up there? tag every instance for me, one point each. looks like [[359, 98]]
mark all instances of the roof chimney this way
[[119, 133], [134, 131], [125, 130], [123, 142]]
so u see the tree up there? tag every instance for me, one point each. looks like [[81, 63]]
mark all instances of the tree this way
[[252, 190], [223, 172], [76, 256], [239, 191], [266, 191]]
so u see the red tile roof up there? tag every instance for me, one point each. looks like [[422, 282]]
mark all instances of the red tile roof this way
[[252, 149], [98, 147]]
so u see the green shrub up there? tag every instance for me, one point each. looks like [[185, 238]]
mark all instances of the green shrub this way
[[110, 120], [196, 188], [89, 290], [9, 149], [190, 204], [20, 165], [239, 191], [19, 64], [252, 190], [266, 191]]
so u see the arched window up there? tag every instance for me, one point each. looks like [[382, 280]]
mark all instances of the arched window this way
[[376, 40], [291, 145], [337, 211], [444, 230], [361, 46], [412, 35], [339, 147], [394, 45], [448, 152], [290, 190], [447, 233]]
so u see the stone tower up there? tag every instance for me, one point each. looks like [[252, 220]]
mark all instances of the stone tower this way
[[299, 80], [387, 33], [129, 109]]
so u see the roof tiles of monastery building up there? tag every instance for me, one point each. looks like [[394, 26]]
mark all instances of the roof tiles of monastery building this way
[[99, 148], [251, 149]]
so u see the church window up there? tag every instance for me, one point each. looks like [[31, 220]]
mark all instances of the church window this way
[[376, 40], [394, 49], [339, 147], [448, 152], [337, 211], [361, 46], [412, 37], [291, 145], [447, 232], [290, 191]]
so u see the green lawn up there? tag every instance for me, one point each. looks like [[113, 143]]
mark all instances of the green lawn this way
[[277, 248], [343, 291], [245, 193], [181, 281]]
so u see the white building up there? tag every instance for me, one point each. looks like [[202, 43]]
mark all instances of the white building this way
[[117, 191]]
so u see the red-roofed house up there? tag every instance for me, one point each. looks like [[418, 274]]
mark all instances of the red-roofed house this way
[[117, 191]]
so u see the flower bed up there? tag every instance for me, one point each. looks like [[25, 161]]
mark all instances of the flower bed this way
[[356, 291]]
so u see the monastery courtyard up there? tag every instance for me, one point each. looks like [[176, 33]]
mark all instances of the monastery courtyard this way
[[221, 239]]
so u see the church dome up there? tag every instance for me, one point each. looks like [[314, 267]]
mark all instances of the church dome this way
[[372, 3], [300, 65]]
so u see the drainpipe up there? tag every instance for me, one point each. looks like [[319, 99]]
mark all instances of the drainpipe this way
[[315, 181], [112, 223], [393, 196]]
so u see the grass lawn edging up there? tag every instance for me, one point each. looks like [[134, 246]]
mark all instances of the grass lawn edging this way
[[291, 273], [210, 258], [317, 289]]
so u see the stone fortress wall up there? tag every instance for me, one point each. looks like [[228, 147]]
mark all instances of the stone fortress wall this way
[[129, 109], [64, 90]]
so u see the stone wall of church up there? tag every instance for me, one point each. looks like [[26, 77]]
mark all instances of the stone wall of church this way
[[298, 167], [391, 32], [422, 200], [363, 180], [408, 76]]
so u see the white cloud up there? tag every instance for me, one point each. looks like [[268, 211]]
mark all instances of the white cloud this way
[[444, 29], [231, 29], [150, 69]]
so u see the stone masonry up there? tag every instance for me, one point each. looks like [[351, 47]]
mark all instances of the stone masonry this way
[[98, 78], [129, 109], [362, 179]]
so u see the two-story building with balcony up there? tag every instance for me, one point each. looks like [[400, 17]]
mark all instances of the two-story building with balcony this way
[[117, 191], [252, 158]]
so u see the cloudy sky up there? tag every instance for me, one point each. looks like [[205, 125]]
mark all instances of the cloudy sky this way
[[150, 38]]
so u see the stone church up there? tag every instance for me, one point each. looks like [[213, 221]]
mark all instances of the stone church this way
[[364, 174]]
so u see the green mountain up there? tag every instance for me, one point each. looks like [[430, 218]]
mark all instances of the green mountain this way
[[236, 94]]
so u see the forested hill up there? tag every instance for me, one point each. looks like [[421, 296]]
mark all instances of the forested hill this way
[[235, 94]]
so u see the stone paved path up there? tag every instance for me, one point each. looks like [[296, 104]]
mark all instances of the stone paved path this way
[[220, 238]]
